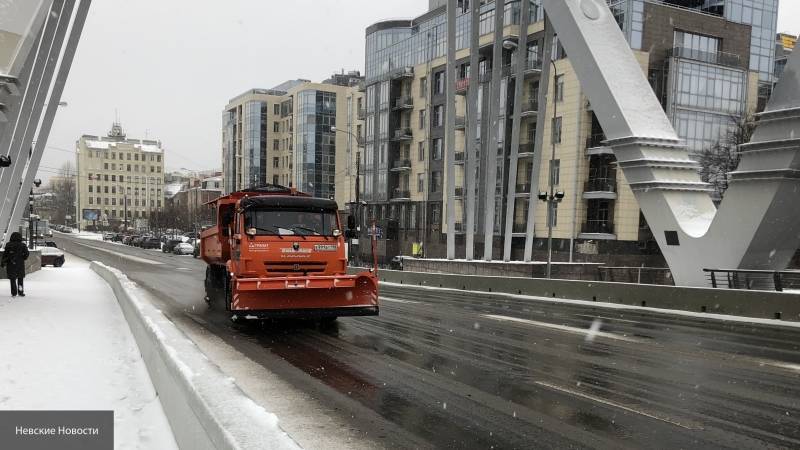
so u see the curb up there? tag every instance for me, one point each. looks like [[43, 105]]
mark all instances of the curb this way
[[205, 408]]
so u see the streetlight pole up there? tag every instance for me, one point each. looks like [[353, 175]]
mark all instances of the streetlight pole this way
[[552, 197], [357, 209]]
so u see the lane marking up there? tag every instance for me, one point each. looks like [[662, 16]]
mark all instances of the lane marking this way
[[608, 318], [692, 426], [183, 268], [566, 328], [780, 364], [396, 300], [121, 255]]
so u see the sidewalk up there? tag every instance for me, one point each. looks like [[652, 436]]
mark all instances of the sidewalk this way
[[66, 345]]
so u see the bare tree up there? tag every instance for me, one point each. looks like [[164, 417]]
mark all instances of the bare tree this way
[[63, 186], [722, 158]]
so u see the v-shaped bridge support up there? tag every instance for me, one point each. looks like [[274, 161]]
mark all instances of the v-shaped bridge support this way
[[758, 223]]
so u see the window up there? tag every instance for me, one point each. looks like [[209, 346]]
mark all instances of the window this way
[[437, 149], [129, 167], [436, 181], [275, 162], [276, 127], [91, 200], [420, 151], [105, 189], [559, 94], [438, 83], [696, 43], [552, 214], [276, 109], [105, 177], [421, 119], [438, 115], [420, 182], [122, 178], [423, 87], [129, 156], [556, 130], [135, 156], [90, 188], [275, 179], [555, 172], [158, 158], [105, 166]]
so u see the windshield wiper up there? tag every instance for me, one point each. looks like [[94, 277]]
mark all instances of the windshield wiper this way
[[274, 229], [313, 231]]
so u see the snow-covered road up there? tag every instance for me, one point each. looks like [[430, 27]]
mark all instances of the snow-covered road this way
[[67, 346]]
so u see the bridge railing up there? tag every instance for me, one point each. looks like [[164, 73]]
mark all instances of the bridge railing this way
[[762, 280]]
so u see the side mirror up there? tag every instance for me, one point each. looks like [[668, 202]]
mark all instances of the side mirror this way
[[351, 222]]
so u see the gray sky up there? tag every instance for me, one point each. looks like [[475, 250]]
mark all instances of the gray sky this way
[[169, 66]]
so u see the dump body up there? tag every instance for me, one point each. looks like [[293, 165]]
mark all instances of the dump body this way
[[278, 252]]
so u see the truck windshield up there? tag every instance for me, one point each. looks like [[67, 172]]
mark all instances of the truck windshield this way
[[291, 222]]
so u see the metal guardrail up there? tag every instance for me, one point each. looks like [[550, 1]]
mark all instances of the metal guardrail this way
[[761, 280], [600, 185]]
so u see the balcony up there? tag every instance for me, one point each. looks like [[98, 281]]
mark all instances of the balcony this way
[[458, 157], [462, 86], [597, 229], [399, 103], [401, 165], [523, 188], [461, 123], [405, 72], [360, 141], [403, 134], [595, 146], [525, 150], [399, 194], [720, 58], [530, 108], [519, 228], [361, 113], [531, 68], [600, 188]]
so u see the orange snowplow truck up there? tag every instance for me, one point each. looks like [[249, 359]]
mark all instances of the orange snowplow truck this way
[[277, 252]]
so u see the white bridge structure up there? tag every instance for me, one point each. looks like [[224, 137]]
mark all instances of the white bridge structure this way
[[758, 223]]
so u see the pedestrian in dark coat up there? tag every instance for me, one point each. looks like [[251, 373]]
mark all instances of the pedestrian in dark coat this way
[[14, 256]]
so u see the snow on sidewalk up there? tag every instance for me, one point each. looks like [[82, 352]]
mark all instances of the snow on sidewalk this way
[[67, 346]]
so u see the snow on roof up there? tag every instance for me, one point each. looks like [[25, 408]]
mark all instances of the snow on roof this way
[[145, 146], [171, 189]]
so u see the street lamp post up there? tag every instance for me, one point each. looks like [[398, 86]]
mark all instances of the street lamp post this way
[[552, 197], [357, 209]]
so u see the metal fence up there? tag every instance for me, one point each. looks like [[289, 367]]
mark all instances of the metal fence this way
[[762, 280]]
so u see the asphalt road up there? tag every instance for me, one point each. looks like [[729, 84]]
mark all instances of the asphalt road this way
[[451, 369]]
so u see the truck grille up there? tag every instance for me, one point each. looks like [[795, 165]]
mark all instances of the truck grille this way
[[294, 268]]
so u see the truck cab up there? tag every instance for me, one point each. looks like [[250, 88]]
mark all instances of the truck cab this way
[[280, 252]]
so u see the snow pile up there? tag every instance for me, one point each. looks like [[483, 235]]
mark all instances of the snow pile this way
[[203, 400], [67, 346]]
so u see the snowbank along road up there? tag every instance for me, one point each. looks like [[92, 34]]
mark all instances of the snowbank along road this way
[[443, 368]]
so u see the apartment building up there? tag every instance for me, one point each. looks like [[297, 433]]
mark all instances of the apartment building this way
[[299, 134], [120, 180], [699, 56]]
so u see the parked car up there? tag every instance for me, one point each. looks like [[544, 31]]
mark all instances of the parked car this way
[[137, 241], [184, 248], [150, 242], [170, 244], [117, 237], [52, 256], [127, 239], [107, 236]]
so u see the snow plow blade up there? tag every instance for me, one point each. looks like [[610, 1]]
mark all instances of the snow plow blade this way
[[309, 296]]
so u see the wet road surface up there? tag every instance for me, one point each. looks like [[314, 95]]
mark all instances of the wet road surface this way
[[450, 369]]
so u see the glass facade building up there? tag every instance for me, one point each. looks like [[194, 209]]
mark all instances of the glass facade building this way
[[254, 140], [315, 155]]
